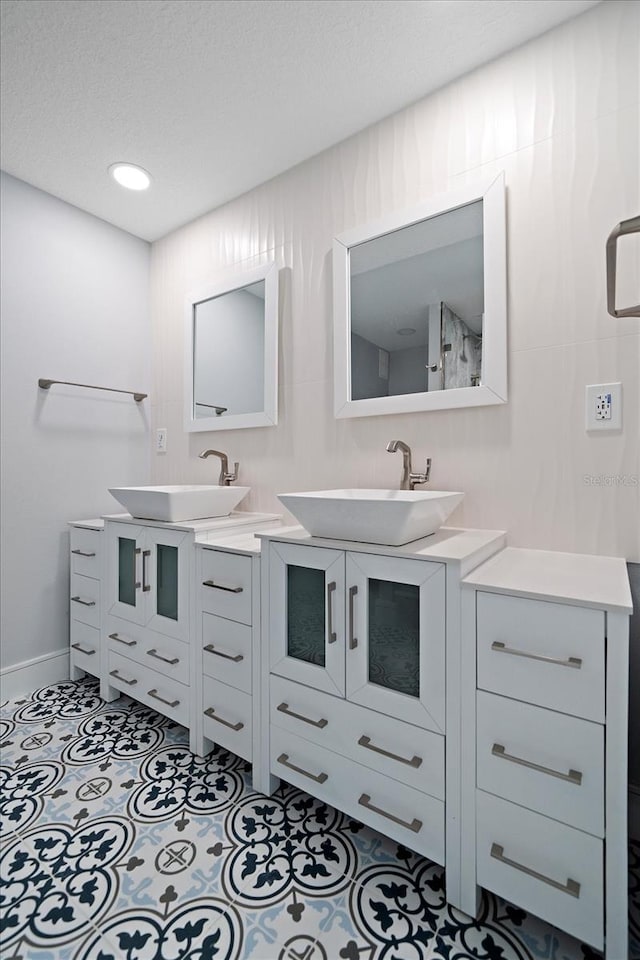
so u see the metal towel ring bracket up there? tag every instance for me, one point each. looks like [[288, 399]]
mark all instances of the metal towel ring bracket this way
[[627, 226]]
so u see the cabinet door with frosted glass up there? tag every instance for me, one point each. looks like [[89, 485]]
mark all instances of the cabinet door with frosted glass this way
[[395, 659], [165, 575], [125, 597], [306, 615]]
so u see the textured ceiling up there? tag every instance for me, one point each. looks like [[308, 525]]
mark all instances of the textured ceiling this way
[[216, 96]]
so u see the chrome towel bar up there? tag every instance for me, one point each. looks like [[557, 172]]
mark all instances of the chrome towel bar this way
[[45, 384], [627, 226]]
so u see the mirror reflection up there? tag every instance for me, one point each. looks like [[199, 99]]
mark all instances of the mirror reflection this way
[[231, 351], [417, 306], [228, 353]]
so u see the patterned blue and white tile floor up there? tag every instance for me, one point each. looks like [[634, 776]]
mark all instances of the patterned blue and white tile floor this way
[[116, 843]]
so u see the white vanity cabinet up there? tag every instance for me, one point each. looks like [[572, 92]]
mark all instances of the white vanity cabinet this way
[[360, 638], [545, 739], [85, 597], [148, 622], [227, 651], [361, 626]]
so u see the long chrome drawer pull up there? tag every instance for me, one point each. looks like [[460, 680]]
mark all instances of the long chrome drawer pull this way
[[353, 641], [318, 777], [82, 553], [145, 586], [574, 776], [284, 708], [127, 643], [85, 603], [78, 646], [210, 712], [572, 887], [366, 742], [227, 656], [114, 673], [415, 826], [156, 696], [574, 662], [218, 586], [170, 660], [331, 588]]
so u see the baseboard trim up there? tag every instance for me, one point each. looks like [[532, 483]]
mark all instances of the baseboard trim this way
[[23, 678], [634, 811]]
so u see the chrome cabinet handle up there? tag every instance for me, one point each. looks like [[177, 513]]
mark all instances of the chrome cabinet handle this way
[[316, 777], [170, 660], [156, 696], [136, 583], [415, 826], [78, 646], [574, 776], [627, 226], [366, 742], [145, 586], [210, 712], [284, 708], [572, 887], [331, 587], [114, 673], [574, 662], [127, 643], [218, 586], [82, 553], [227, 656], [353, 641], [85, 603]]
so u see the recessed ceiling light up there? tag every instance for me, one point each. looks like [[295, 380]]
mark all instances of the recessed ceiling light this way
[[129, 175], [406, 331]]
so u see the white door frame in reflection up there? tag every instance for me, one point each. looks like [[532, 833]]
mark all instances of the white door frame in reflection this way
[[227, 420], [493, 381]]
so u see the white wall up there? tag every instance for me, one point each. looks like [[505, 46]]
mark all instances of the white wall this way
[[560, 117], [74, 307]]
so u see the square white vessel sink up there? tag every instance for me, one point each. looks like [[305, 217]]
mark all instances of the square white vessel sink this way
[[187, 501], [389, 517]]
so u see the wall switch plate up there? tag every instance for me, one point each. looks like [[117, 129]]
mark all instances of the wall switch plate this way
[[603, 409], [161, 440]]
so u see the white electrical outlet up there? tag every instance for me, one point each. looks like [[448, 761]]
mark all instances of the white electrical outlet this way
[[161, 440], [603, 406]]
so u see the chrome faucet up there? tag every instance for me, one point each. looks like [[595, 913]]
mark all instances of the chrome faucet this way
[[409, 479], [226, 478]]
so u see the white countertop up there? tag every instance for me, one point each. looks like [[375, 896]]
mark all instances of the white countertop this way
[[237, 518], [446, 545], [229, 542], [575, 578]]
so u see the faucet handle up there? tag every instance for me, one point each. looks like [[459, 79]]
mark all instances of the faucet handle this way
[[230, 477], [415, 478]]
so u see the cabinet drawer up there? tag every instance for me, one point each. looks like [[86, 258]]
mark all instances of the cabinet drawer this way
[[226, 651], [552, 870], [227, 717], [549, 654], [160, 653], [85, 600], [226, 585], [543, 760], [161, 693], [86, 551], [399, 750], [85, 647], [408, 816]]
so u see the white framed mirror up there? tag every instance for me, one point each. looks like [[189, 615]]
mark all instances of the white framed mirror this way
[[231, 354], [420, 307]]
